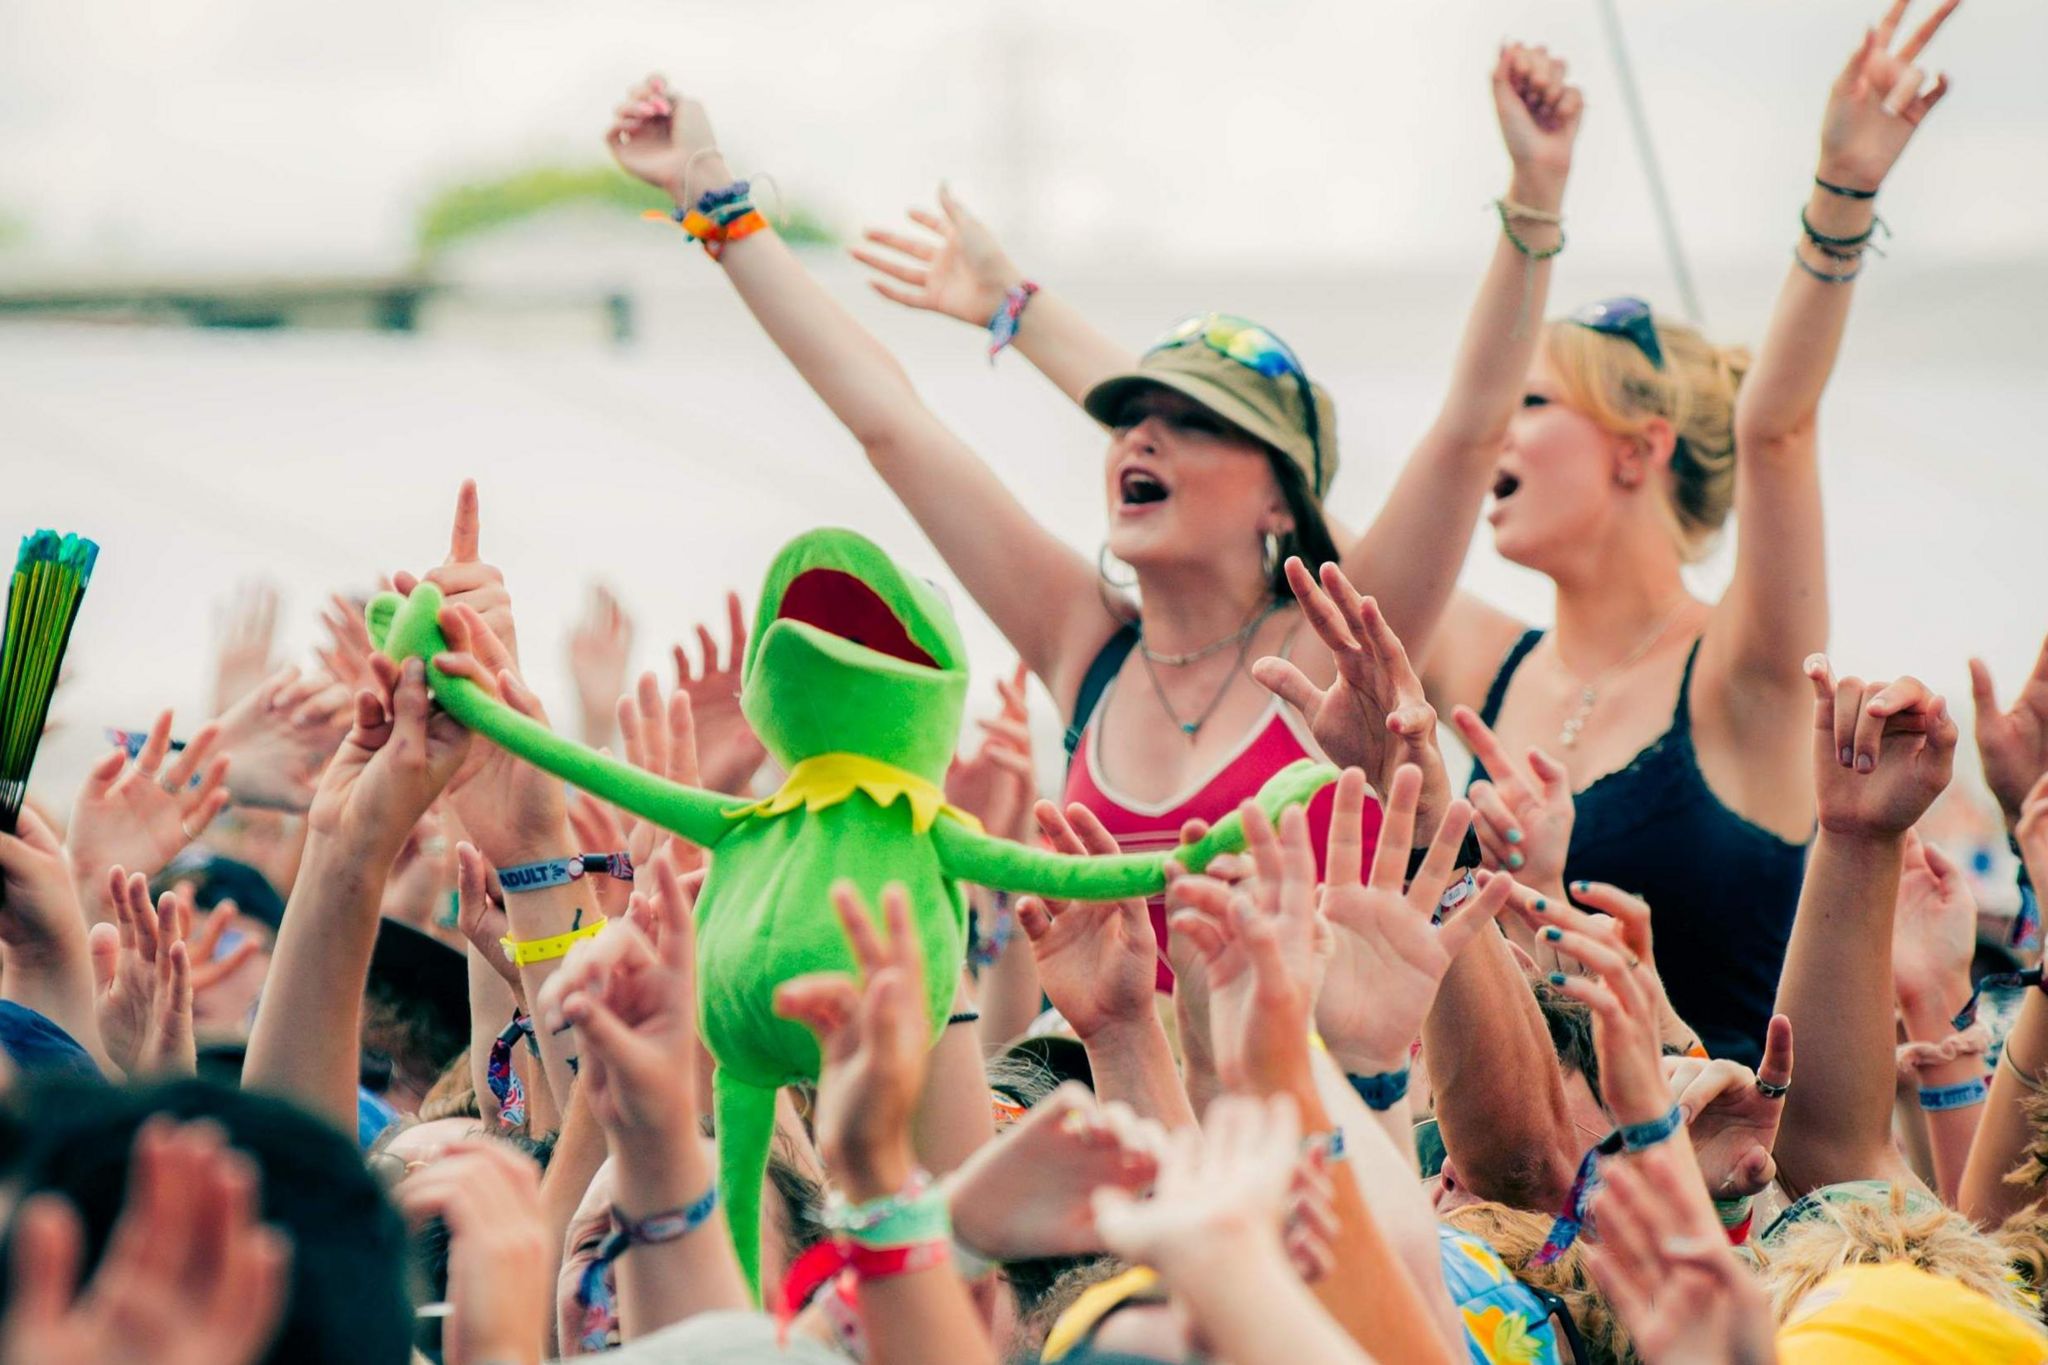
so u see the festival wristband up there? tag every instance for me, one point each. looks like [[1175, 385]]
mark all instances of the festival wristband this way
[[1633, 1137], [133, 740], [1330, 1144], [830, 1261], [668, 1226], [1735, 1216], [1383, 1091], [561, 871], [1008, 317], [1939, 1098], [524, 953], [895, 1220]]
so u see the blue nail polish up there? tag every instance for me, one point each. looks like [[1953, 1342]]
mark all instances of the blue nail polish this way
[[1557, 978], [1578, 886], [1553, 933], [1515, 861], [1541, 905], [1514, 836], [1847, 757]]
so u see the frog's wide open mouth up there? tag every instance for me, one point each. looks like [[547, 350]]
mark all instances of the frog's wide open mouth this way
[[840, 604]]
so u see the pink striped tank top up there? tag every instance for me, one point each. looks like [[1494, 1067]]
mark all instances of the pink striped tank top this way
[[1277, 740]]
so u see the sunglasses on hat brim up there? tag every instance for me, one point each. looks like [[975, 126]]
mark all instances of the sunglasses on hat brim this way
[[1258, 350]]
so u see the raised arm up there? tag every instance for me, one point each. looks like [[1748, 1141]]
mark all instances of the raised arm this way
[[1410, 556], [1900, 745], [1777, 599], [1039, 591], [966, 274]]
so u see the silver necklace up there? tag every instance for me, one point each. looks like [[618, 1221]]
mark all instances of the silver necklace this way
[[1191, 728], [1236, 637], [1589, 692]]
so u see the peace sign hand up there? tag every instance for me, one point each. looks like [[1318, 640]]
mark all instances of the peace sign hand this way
[[1877, 102], [1374, 716]]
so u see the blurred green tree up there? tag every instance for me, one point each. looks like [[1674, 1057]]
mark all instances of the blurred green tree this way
[[480, 206]]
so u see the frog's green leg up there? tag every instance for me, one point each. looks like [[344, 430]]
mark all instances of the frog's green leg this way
[[1005, 866], [746, 1125], [408, 627]]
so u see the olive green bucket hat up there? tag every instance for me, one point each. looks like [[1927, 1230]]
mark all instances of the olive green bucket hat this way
[[1245, 375]]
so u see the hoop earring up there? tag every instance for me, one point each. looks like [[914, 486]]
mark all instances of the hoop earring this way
[[1270, 560], [1102, 570]]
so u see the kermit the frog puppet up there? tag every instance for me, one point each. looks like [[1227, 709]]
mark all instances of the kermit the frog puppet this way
[[855, 679]]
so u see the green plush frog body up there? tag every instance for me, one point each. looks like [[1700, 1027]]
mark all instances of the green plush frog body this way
[[855, 678]]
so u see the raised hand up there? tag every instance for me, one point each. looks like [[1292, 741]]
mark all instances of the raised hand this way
[[1882, 752], [245, 633], [1226, 1181], [1877, 101], [191, 1276], [399, 755], [279, 737], [661, 738], [2013, 744], [1625, 1025], [961, 270], [129, 813], [876, 1041], [632, 998], [1522, 810], [499, 1269], [1374, 716], [510, 808], [1619, 919], [995, 784], [39, 914], [1934, 929], [480, 914], [1264, 948], [346, 655], [666, 140], [599, 646], [1666, 1267], [1539, 113], [1097, 960], [727, 748], [142, 980], [215, 1008], [1031, 1192], [466, 581], [1389, 958], [1732, 1113]]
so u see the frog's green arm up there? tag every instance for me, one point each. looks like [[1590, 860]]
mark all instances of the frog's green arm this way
[[408, 627], [1005, 866]]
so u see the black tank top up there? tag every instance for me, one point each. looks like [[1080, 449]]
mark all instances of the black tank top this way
[[1722, 891]]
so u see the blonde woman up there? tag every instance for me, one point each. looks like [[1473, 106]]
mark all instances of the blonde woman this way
[[1684, 725]]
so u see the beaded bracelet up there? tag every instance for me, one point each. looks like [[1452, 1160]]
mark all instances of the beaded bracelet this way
[[1511, 211]]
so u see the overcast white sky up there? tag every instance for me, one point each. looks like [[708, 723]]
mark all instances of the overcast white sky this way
[[173, 134]]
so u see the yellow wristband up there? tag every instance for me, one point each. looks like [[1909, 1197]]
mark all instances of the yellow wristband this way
[[548, 949]]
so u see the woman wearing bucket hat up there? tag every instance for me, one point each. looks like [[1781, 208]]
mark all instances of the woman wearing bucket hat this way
[[1221, 450]]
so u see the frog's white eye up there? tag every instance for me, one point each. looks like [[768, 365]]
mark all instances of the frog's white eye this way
[[945, 597]]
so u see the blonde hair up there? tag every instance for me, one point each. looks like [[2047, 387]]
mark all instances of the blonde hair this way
[[1609, 379], [1868, 1232], [1516, 1234]]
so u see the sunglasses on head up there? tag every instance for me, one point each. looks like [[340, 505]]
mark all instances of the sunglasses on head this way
[[1258, 350], [1627, 318]]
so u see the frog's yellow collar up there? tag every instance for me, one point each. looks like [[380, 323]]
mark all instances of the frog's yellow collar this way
[[828, 779]]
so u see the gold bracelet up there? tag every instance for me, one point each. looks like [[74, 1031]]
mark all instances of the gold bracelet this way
[[525, 954], [2027, 1079]]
